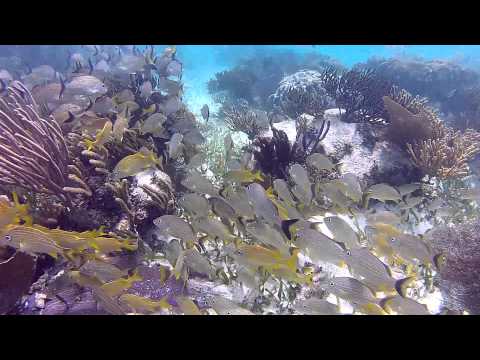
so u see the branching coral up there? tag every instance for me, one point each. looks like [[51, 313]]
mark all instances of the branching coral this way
[[275, 154], [446, 157], [358, 92], [34, 154], [239, 117], [436, 149]]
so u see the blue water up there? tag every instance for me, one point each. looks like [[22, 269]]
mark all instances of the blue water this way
[[201, 62]]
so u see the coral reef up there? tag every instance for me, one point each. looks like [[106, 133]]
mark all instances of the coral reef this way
[[256, 78], [115, 200], [302, 92], [449, 85], [240, 117], [435, 148], [35, 155], [359, 93], [274, 154]]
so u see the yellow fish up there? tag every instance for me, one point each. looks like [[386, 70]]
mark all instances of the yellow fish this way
[[187, 306], [30, 240], [107, 244], [13, 214], [135, 163], [150, 110], [243, 176], [116, 287], [258, 256], [101, 138], [372, 309], [84, 280], [121, 124], [144, 305]]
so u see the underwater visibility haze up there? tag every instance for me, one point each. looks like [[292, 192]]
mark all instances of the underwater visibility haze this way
[[239, 180]]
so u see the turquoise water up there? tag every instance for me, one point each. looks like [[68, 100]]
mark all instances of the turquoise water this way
[[201, 62]]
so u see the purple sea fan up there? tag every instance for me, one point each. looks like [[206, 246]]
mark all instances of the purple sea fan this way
[[459, 278]]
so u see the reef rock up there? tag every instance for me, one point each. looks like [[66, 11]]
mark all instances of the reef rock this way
[[302, 92]]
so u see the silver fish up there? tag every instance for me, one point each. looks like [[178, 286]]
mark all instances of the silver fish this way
[[172, 251], [174, 68], [268, 235], [193, 137], [303, 187], [153, 124], [175, 146], [146, 89], [195, 204], [373, 272], [404, 306], [349, 289], [319, 162], [198, 183], [352, 187], [283, 192], [205, 112], [172, 105], [196, 161], [385, 217], [320, 247], [212, 227], [342, 232], [411, 248], [198, 263], [222, 208], [101, 270], [314, 306], [384, 192], [85, 85], [408, 188], [239, 201], [175, 227], [333, 193], [263, 206], [223, 306]]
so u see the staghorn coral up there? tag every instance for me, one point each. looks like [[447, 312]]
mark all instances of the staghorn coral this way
[[433, 147], [448, 156], [34, 153]]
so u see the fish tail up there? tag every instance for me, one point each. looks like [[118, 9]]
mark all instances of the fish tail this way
[[136, 276], [285, 225], [402, 285], [292, 260]]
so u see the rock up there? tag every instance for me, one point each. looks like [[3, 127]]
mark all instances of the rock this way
[[302, 92], [356, 148], [146, 208], [16, 276]]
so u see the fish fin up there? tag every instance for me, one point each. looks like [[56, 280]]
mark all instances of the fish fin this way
[[402, 285], [285, 225]]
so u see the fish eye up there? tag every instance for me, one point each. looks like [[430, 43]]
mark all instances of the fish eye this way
[[8, 237], [349, 252], [332, 283]]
